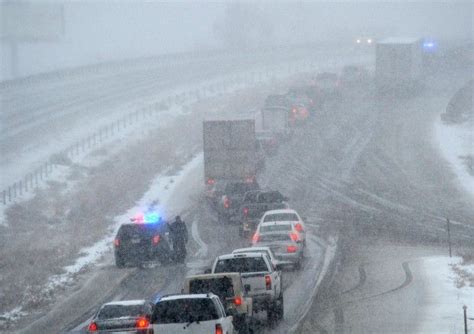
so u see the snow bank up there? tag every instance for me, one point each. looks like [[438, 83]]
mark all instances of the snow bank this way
[[160, 192], [456, 143], [445, 300]]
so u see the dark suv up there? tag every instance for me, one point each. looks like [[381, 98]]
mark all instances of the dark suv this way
[[142, 242]]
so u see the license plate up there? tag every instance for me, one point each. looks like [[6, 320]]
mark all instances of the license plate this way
[[135, 241]]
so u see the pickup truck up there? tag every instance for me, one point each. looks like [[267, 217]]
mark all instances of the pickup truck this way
[[261, 280], [255, 204]]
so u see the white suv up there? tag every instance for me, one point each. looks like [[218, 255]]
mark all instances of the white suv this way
[[191, 313]]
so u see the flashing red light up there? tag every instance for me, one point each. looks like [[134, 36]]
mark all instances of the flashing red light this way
[[291, 249], [142, 322], [226, 202], [92, 327], [139, 218], [268, 282], [211, 181], [116, 242], [294, 236], [256, 238], [219, 329], [237, 300], [246, 211], [299, 227], [156, 240]]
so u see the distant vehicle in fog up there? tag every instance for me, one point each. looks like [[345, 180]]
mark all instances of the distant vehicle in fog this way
[[398, 64], [231, 152], [328, 84], [128, 316], [353, 75]]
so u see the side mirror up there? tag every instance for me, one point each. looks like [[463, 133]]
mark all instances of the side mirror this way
[[304, 218], [208, 271]]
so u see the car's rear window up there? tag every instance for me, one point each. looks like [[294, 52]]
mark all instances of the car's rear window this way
[[275, 228], [222, 287], [279, 217], [120, 311], [184, 311], [270, 197], [241, 265], [256, 251], [240, 188], [131, 231], [274, 237]]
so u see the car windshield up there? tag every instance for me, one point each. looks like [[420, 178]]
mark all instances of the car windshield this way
[[119, 311], [279, 217], [184, 311], [275, 228], [222, 287], [241, 265]]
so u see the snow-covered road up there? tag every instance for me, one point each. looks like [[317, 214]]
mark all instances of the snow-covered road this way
[[361, 166]]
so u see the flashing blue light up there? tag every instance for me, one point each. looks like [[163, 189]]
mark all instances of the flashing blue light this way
[[430, 46], [152, 217]]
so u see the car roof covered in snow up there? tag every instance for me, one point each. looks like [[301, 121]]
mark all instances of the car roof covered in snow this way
[[240, 255], [280, 211], [399, 40], [126, 302], [185, 296]]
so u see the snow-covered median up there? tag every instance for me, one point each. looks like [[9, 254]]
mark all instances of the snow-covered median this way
[[450, 286], [457, 146]]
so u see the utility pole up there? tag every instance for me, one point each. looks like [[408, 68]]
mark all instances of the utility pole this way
[[449, 236], [465, 319]]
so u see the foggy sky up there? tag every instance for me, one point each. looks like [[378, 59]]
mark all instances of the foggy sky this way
[[111, 30]]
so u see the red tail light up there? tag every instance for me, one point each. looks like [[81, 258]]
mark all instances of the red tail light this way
[[294, 236], [294, 110], [250, 179], [268, 282], [226, 202], [246, 211], [238, 300], [117, 242], [256, 238], [211, 181], [156, 240], [92, 327], [142, 322], [291, 249], [299, 227], [219, 329]]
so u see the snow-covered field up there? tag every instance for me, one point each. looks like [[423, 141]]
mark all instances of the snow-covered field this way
[[456, 143], [450, 286]]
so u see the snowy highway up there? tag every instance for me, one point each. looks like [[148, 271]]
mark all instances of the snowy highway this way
[[364, 170]]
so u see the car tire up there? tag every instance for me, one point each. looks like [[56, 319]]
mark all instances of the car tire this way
[[280, 308]]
